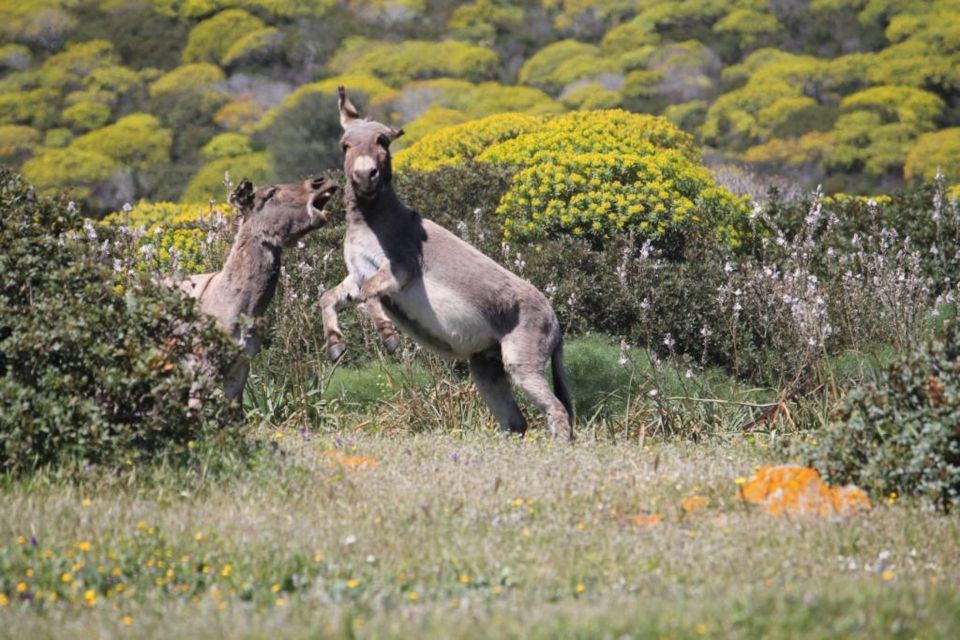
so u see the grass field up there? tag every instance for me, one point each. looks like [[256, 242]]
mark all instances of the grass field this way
[[463, 535]]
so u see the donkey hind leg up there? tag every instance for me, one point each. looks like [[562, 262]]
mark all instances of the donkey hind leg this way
[[494, 387], [524, 361], [388, 333]]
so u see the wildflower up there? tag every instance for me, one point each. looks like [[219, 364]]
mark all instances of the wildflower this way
[[86, 502], [126, 620], [4, 600], [84, 546], [21, 540], [280, 602], [581, 587], [693, 503], [413, 596], [353, 583], [464, 579], [275, 588], [90, 597], [22, 586], [66, 578], [888, 575]]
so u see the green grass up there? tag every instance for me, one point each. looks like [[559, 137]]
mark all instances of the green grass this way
[[466, 535]]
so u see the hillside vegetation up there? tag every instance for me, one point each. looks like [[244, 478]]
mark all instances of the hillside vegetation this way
[[119, 100]]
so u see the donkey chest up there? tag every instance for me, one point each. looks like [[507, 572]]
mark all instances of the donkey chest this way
[[363, 258]]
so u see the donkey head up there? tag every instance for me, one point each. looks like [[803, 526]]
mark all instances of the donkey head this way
[[281, 214], [366, 149]]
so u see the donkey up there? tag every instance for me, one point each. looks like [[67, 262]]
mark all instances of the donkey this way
[[447, 295], [272, 217]]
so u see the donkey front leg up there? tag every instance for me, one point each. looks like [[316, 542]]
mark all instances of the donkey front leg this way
[[389, 278], [388, 333], [332, 301]]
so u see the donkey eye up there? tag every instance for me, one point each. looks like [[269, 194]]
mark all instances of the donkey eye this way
[[383, 141], [344, 146]]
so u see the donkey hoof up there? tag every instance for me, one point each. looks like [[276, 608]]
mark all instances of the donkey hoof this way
[[391, 343], [336, 350]]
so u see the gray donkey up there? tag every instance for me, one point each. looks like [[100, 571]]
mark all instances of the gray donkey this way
[[271, 218], [440, 290]]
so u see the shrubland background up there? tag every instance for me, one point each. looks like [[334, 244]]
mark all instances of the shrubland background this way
[[121, 100], [650, 166]]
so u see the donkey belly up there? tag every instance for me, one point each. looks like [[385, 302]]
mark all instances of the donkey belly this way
[[440, 319]]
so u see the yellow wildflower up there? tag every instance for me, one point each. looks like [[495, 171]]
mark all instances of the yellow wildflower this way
[[353, 583]]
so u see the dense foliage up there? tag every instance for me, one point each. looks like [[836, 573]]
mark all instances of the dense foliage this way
[[899, 435], [597, 175], [96, 366], [859, 95]]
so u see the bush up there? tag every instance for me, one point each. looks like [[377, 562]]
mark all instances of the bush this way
[[561, 63], [463, 142], [209, 182], [899, 434], [166, 237], [217, 38], [95, 369], [17, 143], [399, 62]]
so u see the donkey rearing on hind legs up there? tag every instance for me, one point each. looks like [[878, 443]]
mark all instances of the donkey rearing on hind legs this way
[[440, 290]]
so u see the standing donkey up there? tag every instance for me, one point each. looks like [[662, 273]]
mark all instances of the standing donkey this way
[[271, 218], [440, 290]]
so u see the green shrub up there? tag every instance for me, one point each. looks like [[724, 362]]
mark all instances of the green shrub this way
[[17, 143], [198, 77], [399, 62], [80, 173], [226, 145], [209, 182], [137, 141], [95, 369], [899, 434], [213, 39], [561, 63], [935, 152], [86, 116]]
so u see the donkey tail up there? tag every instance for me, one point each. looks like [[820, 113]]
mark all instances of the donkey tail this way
[[560, 379]]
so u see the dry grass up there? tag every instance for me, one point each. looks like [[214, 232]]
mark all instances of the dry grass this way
[[472, 535]]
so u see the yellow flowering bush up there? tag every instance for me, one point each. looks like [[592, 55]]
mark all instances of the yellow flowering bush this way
[[463, 142], [594, 174], [172, 234], [603, 195]]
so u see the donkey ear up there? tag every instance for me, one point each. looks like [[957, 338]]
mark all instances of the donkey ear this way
[[348, 112], [242, 196], [395, 133]]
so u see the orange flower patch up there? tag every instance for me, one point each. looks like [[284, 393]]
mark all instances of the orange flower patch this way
[[796, 490], [646, 520], [692, 503], [341, 459]]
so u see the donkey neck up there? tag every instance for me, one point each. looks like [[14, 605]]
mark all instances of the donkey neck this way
[[251, 272], [371, 211]]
